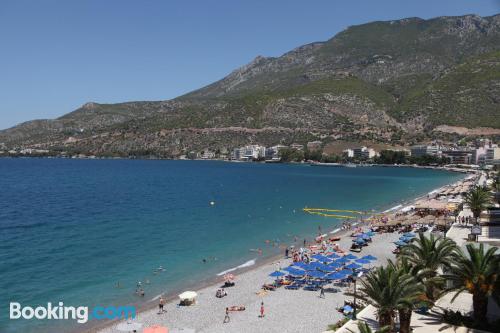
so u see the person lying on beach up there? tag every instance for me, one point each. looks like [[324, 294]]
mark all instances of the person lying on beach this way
[[267, 286], [236, 308]]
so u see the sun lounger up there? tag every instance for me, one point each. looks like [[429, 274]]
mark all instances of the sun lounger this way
[[311, 288], [237, 308], [292, 287]]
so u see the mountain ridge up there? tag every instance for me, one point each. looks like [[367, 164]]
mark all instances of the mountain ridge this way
[[386, 81]]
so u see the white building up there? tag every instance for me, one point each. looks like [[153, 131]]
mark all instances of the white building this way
[[250, 152], [208, 155], [492, 156], [418, 151], [348, 152], [364, 153], [272, 153]]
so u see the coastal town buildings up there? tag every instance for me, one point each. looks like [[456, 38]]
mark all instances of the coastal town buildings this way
[[207, 154], [272, 153], [250, 152], [348, 153], [364, 153], [421, 150], [492, 156], [459, 156]]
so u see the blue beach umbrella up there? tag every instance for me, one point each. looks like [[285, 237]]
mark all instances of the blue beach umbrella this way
[[400, 243], [297, 272], [326, 268], [365, 236], [359, 241], [308, 267], [321, 258], [409, 234], [353, 266], [345, 272], [300, 264], [336, 276], [369, 257], [342, 260], [277, 274], [316, 274], [334, 256], [334, 264], [362, 261], [351, 256], [292, 269], [348, 308], [405, 239], [315, 265], [371, 233]]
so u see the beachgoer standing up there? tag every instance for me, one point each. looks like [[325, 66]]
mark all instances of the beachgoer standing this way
[[305, 242], [161, 304], [286, 252], [226, 318], [322, 292], [262, 310]]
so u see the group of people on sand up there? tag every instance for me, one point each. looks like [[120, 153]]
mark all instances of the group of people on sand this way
[[300, 255]]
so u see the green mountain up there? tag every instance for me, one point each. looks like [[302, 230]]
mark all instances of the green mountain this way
[[390, 82]]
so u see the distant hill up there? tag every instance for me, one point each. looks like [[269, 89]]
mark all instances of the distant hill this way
[[389, 82]]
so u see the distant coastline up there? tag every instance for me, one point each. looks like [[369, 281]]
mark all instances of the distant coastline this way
[[451, 168]]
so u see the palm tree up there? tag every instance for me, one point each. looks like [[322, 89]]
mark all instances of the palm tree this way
[[426, 255], [409, 301], [476, 272], [363, 327], [388, 289], [477, 199]]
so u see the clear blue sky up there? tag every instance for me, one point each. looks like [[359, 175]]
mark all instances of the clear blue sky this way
[[57, 55]]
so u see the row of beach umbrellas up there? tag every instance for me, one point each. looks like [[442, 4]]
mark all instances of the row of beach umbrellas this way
[[326, 266], [405, 239]]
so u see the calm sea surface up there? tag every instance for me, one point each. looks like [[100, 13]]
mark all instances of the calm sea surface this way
[[70, 230]]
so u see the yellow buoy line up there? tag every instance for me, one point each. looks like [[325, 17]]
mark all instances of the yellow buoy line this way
[[326, 213]]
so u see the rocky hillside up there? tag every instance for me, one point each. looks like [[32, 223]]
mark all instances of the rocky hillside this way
[[387, 82]]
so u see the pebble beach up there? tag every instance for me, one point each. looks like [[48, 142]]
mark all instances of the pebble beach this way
[[291, 311], [285, 310]]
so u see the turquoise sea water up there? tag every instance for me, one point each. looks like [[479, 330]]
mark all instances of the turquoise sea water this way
[[71, 229]]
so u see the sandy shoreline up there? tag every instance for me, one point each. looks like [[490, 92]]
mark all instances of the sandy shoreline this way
[[208, 314]]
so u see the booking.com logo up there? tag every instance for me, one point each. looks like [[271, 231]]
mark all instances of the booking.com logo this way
[[61, 312]]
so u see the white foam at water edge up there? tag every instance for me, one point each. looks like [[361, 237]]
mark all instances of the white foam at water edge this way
[[334, 231], [155, 298], [393, 208], [247, 264]]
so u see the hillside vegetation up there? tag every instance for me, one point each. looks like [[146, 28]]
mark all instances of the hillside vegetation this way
[[386, 82]]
